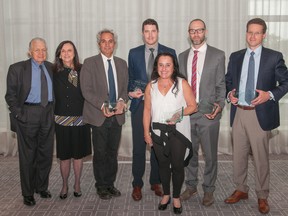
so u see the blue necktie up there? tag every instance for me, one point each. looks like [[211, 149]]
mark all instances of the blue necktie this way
[[250, 89], [112, 90]]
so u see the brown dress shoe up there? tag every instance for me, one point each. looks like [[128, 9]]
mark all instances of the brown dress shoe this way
[[137, 194], [263, 206], [236, 197], [157, 189]]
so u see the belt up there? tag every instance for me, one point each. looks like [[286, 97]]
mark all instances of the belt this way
[[246, 107], [35, 104]]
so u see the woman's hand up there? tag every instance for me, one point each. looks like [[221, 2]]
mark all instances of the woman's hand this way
[[148, 140]]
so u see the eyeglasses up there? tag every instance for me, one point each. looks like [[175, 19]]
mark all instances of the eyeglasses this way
[[256, 34], [198, 31]]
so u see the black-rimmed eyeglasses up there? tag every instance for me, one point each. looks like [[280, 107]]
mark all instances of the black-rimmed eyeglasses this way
[[198, 31]]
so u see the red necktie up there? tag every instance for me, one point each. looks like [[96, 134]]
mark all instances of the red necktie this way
[[194, 72]]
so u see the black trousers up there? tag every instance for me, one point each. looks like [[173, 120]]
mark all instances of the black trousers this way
[[106, 139], [35, 138], [171, 166], [139, 151]]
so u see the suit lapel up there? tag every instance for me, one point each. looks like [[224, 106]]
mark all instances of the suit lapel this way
[[239, 66], [27, 77], [99, 65], [263, 59]]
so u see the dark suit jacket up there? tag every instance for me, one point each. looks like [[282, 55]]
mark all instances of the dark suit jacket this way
[[212, 84], [137, 68], [95, 89], [273, 76], [18, 87]]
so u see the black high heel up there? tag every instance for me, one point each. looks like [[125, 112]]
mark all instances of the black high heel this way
[[77, 194], [163, 207], [64, 195]]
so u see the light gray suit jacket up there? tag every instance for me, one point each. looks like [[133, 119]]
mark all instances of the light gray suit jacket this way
[[212, 84], [95, 89]]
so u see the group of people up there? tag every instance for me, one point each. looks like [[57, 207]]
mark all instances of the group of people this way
[[175, 110]]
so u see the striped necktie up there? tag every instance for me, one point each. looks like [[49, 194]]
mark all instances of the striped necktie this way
[[194, 73]]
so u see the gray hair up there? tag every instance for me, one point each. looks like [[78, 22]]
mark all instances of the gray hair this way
[[115, 37], [36, 39], [30, 45]]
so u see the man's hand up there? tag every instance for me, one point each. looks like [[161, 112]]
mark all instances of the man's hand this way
[[136, 94], [233, 97], [216, 109], [120, 108], [107, 112], [262, 97]]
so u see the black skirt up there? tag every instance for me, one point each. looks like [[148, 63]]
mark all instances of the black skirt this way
[[73, 141]]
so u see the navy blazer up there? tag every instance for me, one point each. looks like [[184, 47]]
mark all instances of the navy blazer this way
[[137, 68], [272, 76]]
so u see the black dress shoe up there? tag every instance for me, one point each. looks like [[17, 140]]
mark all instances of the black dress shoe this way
[[45, 194], [29, 200], [163, 207], [77, 194], [103, 193], [177, 210], [114, 192]]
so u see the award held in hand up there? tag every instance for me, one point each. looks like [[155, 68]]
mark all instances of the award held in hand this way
[[136, 85], [174, 117], [206, 107], [110, 107]]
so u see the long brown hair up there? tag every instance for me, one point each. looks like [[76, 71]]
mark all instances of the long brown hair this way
[[58, 63]]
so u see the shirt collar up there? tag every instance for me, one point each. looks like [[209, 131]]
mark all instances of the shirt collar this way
[[257, 51], [105, 57], [155, 47], [203, 48]]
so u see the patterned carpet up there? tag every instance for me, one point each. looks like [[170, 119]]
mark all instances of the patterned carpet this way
[[11, 202]]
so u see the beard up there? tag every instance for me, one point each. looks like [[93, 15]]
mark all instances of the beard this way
[[198, 41]]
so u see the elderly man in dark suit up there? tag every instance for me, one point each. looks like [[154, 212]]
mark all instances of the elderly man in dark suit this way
[[257, 78], [29, 97], [104, 80], [140, 62], [204, 67]]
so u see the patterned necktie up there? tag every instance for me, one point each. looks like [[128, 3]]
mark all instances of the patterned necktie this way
[[194, 72], [150, 64], [112, 89], [44, 88], [250, 90]]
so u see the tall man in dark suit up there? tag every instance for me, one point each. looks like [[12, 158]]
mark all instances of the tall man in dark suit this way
[[204, 67], [104, 78], [140, 69], [29, 97], [254, 109]]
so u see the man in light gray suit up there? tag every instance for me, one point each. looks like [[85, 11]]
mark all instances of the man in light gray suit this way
[[104, 80], [204, 67]]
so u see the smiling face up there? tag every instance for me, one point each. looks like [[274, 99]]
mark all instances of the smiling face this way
[[107, 44], [165, 67], [150, 34], [38, 51], [255, 36], [67, 54]]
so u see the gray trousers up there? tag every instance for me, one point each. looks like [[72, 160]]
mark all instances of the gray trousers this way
[[204, 133]]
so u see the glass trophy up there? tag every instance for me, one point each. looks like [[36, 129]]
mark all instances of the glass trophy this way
[[110, 106], [206, 107], [174, 117], [136, 85]]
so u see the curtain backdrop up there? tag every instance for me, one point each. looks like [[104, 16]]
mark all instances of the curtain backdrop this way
[[79, 21]]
